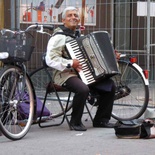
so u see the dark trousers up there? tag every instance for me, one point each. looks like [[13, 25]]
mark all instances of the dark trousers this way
[[106, 90], [74, 84]]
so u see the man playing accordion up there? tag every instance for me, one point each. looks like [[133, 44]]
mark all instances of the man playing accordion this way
[[65, 74]]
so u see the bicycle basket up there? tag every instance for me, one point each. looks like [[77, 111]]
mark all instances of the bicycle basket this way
[[18, 46]]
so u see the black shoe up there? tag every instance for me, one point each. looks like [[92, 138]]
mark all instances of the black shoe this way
[[103, 124], [78, 127]]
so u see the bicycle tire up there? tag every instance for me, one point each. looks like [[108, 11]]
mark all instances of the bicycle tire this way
[[13, 90], [40, 79], [135, 101]]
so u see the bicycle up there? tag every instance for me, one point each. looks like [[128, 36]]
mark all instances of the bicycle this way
[[16, 87], [132, 93], [16, 83]]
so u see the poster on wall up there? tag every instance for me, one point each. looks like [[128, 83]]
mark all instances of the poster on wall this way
[[49, 11]]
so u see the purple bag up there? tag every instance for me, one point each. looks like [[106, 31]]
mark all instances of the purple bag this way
[[23, 108]]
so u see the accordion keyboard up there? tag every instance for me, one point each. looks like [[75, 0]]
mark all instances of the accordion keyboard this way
[[75, 53]]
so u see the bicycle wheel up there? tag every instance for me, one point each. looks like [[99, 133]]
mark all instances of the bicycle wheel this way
[[13, 124], [132, 93], [40, 79]]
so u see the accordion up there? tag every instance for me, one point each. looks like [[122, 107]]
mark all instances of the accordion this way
[[96, 54]]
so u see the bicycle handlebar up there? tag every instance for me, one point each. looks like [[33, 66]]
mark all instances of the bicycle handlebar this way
[[50, 27], [3, 31], [34, 26]]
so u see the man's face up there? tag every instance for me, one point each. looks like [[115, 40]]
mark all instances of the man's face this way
[[71, 20]]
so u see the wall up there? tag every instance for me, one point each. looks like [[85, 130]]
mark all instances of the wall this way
[[1, 14]]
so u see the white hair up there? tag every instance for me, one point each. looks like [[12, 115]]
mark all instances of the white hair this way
[[70, 8]]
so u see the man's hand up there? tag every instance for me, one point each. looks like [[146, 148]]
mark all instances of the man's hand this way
[[117, 55], [76, 65]]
